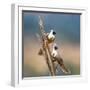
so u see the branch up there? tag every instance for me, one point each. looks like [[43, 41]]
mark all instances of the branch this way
[[45, 47]]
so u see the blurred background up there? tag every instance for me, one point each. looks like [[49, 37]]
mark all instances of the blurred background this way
[[67, 27]]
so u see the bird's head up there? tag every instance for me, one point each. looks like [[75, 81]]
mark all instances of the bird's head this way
[[55, 46], [53, 32]]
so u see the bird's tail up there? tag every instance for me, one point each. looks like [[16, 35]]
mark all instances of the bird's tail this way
[[64, 69]]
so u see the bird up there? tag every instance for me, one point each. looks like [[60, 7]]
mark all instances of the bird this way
[[57, 58], [51, 36]]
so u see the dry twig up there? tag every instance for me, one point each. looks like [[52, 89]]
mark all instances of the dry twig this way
[[45, 47]]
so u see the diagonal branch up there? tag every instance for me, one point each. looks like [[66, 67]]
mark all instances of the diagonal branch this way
[[46, 47]]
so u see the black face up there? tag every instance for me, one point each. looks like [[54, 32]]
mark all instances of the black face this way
[[55, 47], [54, 33]]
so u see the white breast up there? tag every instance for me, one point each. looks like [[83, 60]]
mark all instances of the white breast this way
[[54, 53], [51, 36]]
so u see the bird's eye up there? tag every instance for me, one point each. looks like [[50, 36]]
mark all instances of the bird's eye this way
[[54, 33], [56, 47]]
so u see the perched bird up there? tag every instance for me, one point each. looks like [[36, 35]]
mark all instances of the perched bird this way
[[58, 59], [51, 36]]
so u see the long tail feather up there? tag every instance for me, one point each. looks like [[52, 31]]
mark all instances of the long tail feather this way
[[62, 66]]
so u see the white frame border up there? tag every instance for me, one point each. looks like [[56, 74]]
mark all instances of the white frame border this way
[[16, 63]]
